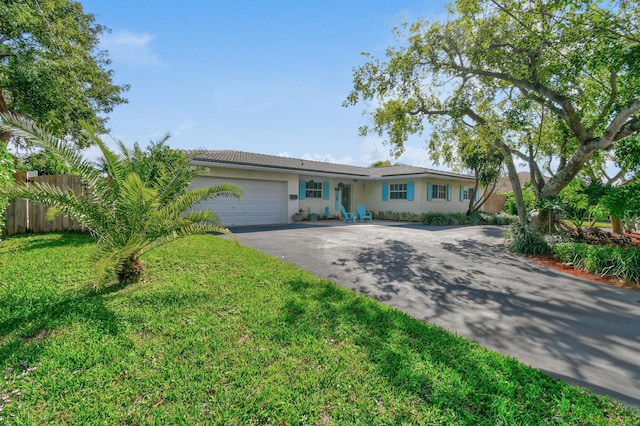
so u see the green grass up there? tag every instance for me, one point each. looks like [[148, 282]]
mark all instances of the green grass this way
[[222, 334]]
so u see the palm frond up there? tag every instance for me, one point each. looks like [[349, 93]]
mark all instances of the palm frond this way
[[78, 208], [39, 137]]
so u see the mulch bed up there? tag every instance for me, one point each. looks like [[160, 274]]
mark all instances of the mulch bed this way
[[594, 237]]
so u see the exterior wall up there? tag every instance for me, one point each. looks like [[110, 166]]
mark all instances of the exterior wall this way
[[319, 205], [367, 192], [374, 202]]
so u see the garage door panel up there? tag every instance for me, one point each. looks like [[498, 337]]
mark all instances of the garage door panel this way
[[262, 203]]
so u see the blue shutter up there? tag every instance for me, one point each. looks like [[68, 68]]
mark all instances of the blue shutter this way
[[385, 191], [477, 194], [429, 191], [409, 191], [449, 192], [325, 190], [461, 193], [303, 189]]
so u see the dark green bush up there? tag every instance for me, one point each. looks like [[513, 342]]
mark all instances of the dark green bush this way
[[520, 239], [602, 260], [436, 219], [400, 216], [440, 219]]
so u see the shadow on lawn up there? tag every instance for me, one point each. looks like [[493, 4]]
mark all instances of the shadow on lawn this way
[[45, 316], [468, 380]]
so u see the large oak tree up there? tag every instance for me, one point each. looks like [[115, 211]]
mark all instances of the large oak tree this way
[[548, 83], [51, 69]]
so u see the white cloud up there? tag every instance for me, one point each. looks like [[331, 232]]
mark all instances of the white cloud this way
[[415, 156], [328, 158], [131, 48], [184, 127], [284, 154], [373, 149]]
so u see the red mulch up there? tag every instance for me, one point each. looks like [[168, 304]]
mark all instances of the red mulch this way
[[550, 261]]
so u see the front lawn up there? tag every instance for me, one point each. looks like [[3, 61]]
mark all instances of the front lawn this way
[[222, 334]]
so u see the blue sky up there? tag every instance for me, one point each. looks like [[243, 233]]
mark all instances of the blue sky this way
[[258, 76]]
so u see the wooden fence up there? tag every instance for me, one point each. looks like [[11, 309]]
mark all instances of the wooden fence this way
[[28, 216], [495, 203]]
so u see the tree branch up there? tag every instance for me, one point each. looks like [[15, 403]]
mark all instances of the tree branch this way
[[630, 127], [570, 115], [621, 127], [613, 80]]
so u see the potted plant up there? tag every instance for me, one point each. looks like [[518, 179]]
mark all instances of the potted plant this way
[[313, 216], [297, 217]]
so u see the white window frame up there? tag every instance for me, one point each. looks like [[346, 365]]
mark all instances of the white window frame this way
[[313, 189], [438, 192], [398, 191], [468, 193]]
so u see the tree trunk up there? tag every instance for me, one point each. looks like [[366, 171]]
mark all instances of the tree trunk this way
[[616, 225], [515, 183], [4, 109], [544, 222], [130, 271]]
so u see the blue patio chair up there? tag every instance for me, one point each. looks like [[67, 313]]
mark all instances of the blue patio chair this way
[[348, 215], [363, 214]]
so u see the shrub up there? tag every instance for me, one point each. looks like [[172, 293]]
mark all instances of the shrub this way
[[520, 239], [440, 219], [436, 219], [499, 219], [6, 177], [602, 260], [400, 216]]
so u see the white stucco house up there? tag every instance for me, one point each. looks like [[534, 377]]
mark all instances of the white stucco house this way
[[277, 187]]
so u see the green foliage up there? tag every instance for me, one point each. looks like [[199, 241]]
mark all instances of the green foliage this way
[[550, 92], [602, 260], [51, 69], [44, 163], [139, 206], [6, 178], [439, 219], [381, 163], [627, 158], [223, 334], [398, 216], [520, 239], [623, 202], [529, 196]]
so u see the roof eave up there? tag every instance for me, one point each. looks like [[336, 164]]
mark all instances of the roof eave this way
[[307, 172]]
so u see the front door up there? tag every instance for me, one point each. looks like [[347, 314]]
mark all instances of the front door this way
[[346, 197]]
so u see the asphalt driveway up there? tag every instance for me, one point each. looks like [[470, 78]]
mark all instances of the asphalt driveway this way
[[461, 279]]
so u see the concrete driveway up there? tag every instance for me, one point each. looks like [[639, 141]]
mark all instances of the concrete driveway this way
[[461, 279]]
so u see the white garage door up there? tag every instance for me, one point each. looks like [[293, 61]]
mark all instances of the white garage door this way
[[262, 202]]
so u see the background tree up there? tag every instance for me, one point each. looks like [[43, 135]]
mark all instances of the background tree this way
[[128, 210], [6, 179], [550, 82], [381, 163], [481, 158], [51, 69], [43, 162]]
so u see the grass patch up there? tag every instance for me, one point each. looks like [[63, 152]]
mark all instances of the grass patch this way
[[222, 334]]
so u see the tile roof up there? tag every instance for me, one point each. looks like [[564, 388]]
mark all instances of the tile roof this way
[[250, 159]]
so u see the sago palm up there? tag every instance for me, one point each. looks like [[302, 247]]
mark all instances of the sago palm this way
[[127, 209]]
